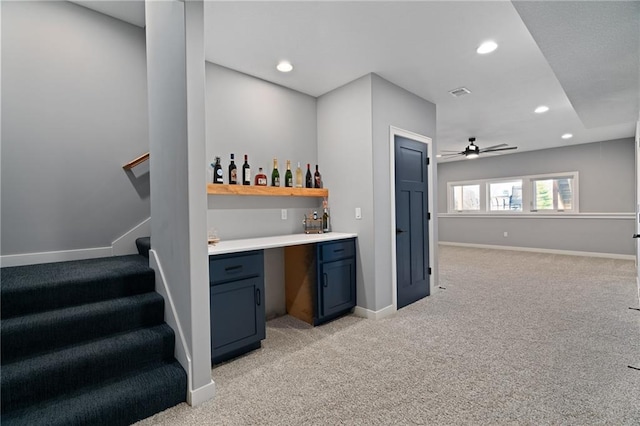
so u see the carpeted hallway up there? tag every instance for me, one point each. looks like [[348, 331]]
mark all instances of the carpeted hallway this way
[[513, 338]]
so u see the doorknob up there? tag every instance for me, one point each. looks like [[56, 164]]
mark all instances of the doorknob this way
[[636, 235], [399, 231]]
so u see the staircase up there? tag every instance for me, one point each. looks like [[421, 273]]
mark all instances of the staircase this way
[[85, 342]]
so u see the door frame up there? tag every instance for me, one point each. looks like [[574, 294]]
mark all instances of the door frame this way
[[637, 216], [393, 132]]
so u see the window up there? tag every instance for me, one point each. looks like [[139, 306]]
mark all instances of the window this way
[[466, 197], [551, 193], [505, 195]]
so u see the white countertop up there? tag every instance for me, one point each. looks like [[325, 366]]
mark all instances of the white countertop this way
[[234, 246]]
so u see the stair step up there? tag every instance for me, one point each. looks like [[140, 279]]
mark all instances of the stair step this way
[[37, 288], [120, 402], [34, 334], [143, 245], [39, 378]]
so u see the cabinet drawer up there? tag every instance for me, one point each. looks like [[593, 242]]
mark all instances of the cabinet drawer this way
[[337, 250], [237, 266]]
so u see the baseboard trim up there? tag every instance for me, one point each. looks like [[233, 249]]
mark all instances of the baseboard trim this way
[[375, 315], [126, 244], [202, 394], [181, 351], [542, 250], [54, 256]]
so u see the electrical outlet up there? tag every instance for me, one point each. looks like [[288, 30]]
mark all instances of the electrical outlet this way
[[283, 214], [358, 213], [506, 234]]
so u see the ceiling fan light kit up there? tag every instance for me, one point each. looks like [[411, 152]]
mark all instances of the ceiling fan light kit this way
[[473, 151]]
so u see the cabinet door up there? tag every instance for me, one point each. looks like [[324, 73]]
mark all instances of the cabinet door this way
[[237, 315], [337, 286]]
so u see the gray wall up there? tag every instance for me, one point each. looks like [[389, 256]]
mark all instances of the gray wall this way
[[606, 185], [346, 153], [393, 106], [246, 115], [74, 105], [176, 81], [353, 142]]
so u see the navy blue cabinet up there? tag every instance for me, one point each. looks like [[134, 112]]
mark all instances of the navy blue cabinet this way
[[237, 303], [320, 280], [336, 279]]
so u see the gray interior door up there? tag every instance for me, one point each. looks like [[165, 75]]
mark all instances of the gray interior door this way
[[412, 230]]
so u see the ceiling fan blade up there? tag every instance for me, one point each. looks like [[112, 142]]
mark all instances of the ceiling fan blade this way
[[500, 149], [452, 154], [448, 150], [492, 147]]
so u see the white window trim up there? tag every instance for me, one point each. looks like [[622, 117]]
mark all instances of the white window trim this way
[[527, 191]]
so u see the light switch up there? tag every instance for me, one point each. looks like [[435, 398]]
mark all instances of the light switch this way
[[358, 213], [283, 214]]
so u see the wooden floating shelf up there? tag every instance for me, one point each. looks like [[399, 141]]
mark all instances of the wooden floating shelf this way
[[269, 191]]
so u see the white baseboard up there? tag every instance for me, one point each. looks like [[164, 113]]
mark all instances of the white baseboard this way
[[542, 250], [54, 256], [126, 244], [181, 351], [375, 315], [202, 394]]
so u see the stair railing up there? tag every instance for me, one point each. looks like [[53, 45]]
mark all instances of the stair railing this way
[[131, 164]]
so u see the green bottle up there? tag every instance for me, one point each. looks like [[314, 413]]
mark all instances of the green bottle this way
[[275, 174]]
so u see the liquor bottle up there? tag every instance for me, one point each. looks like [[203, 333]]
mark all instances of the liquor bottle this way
[[288, 176], [308, 178], [261, 178], [246, 171], [217, 172], [233, 172], [317, 179], [325, 216], [298, 176], [275, 174]]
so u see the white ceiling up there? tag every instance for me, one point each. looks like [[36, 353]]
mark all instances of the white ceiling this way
[[580, 58]]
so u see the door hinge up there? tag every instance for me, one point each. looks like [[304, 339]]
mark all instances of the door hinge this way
[[428, 216], [427, 161], [429, 271]]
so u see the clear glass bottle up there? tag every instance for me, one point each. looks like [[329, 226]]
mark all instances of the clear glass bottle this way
[[298, 176]]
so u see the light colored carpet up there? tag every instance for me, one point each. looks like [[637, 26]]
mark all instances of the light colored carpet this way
[[514, 338]]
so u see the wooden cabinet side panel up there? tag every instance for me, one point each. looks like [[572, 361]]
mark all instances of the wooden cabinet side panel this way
[[300, 277]]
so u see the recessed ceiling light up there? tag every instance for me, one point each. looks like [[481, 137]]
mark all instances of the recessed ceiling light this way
[[438, 155], [541, 109], [567, 136], [284, 66], [487, 47]]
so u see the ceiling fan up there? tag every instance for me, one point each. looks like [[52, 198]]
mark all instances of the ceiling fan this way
[[473, 151]]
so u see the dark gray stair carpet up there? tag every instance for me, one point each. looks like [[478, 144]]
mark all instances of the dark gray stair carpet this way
[[119, 402], [36, 333], [38, 378], [37, 288], [85, 343], [143, 245]]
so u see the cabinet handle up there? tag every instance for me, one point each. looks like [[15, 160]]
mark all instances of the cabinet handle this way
[[233, 269], [338, 250], [258, 301], [326, 283]]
